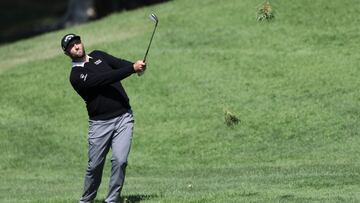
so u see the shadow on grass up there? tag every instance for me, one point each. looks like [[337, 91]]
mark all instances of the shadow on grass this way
[[131, 198]]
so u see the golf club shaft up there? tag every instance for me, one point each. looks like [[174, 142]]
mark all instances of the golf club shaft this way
[[152, 36], [153, 18]]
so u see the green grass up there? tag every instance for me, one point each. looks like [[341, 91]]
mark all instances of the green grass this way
[[293, 83]]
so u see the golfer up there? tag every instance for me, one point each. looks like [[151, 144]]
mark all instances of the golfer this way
[[96, 78]]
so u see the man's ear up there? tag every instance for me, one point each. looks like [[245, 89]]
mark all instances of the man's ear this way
[[66, 53]]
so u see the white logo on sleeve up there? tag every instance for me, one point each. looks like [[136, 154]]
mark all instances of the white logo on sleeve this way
[[83, 77], [97, 62]]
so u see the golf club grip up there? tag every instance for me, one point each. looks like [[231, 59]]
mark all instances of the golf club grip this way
[[142, 72]]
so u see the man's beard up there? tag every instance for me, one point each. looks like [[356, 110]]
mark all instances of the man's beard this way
[[76, 56]]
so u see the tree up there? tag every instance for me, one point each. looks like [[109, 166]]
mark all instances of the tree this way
[[78, 11]]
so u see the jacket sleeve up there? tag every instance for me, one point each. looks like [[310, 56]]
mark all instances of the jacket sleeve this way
[[83, 80], [114, 62]]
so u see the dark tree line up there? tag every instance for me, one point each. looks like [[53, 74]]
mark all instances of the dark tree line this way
[[79, 11], [25, 18]]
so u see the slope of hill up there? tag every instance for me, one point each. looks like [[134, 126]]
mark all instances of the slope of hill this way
[[292, 82]]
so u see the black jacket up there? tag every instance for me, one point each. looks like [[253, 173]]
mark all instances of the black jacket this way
[[98, 83]]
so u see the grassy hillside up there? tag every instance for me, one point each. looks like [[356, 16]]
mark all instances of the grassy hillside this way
[[292, 82]]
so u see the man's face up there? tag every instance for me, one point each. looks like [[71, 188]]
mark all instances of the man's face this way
[[75, 50]]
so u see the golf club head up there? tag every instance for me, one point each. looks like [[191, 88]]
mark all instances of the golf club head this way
[[154, 18]]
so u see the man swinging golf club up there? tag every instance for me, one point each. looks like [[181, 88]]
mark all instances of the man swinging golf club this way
[[96, 78]]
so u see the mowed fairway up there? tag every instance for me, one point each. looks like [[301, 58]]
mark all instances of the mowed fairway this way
[[293, 83]]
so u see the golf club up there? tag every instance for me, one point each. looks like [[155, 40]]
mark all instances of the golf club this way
[[155, 19]]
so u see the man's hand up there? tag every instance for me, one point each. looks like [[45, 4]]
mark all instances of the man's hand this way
[[139, 66]]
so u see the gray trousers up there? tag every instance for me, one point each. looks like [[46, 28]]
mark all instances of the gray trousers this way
[[116, 134]]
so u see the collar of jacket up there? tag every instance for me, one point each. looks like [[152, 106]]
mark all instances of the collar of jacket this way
[[81, 63]]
